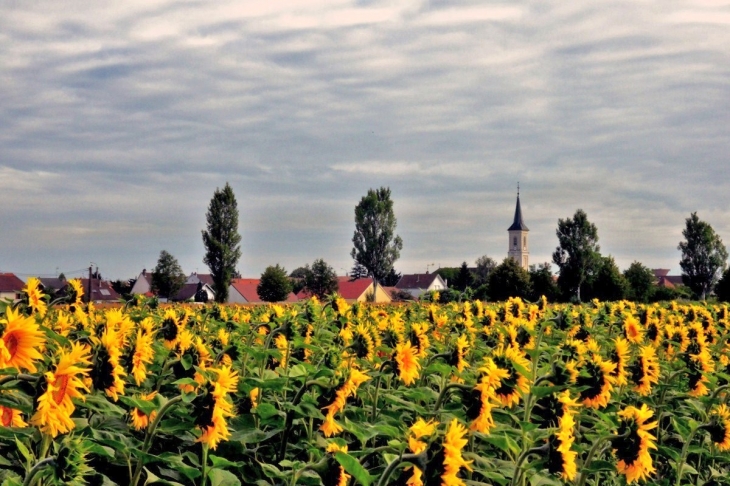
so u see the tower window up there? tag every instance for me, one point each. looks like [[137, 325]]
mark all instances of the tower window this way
[[524, 241], [514, 242]]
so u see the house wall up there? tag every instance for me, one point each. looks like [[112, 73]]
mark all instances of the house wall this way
[[141, 286], [10, 295], [234, 297], [380, 295]]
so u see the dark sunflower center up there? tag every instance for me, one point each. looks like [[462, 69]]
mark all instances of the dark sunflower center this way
[[169, 329], [203, 406], [717, 430], [628, 448], [547, 411], [102, 374], [555, 463], [594, 381]]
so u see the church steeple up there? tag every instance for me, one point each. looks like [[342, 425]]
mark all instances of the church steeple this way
[[517, 248]]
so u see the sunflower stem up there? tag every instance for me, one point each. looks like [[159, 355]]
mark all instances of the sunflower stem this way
[[267, 343], [683, 456], [714, 396], [290, 416], [377, 388], [37, 468], [204, 460], [19, 377], [591, 453], [149, 434], [391, 467], [517, 474]]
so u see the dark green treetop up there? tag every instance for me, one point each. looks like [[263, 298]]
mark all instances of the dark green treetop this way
[[320, 279], [375, 245], [221, 240], [578, 254], [642, 282], [509, 279], [274, 285], [703, 256], [167, 277]]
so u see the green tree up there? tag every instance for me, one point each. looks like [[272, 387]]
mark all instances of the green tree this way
[[358, 271], [642, 283], [509, 279], [375, 245], [274, 285], [167, 277], [221, 240], [448, 274], [464, 278], [722, 289], [484, 265], [703, 256], [543, 282], [608, 284], [578, 254], [320, 279], [392, 278]]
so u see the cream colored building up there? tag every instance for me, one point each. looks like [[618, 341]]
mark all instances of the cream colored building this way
[[518, 249]]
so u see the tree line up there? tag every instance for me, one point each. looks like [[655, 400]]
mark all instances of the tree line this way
[[583, 272]]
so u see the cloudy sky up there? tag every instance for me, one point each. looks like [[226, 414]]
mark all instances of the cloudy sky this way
[[118, 122]]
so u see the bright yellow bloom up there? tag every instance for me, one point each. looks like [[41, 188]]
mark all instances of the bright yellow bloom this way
[[21, 341], [632, 451], [139, 419], [35, 296], [10, 417], [454, 442], [53, 413], [719, 427], [407, 363]]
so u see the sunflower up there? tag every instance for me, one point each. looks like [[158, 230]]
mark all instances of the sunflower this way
[[459, 353], [632, 451], [454, 443], [719, 427], [330, 427], [143, 352], [417, 431], [419, 338], [170, 329], [107, 372], [561, 457], [35, 296], [55, 405], [362, 342], [20, 342], [212, 408], [620, 357], [550, 409], [597, 377], [75, 292], [645, 370], [282, 344], [633, 330], [335, 474], [511, 386], [139, 419], [698, 366], [406, 361], [62, 323], [10, 417], [482, 420]]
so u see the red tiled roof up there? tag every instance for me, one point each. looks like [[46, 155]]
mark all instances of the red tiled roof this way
[[353, 289], [247, 288], [10, 283]]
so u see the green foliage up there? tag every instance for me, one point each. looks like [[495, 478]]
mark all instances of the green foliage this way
[[722, 289], [509, 279], [641, 282], [464, 278], [221, 240], [484, 266], [578, 254], [608, 284], [320, 279], [703, 256], [375, 245], [543, 283], [274, 285], [167, 276], [448, 274]]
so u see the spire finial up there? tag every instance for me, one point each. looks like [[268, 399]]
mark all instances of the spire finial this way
[[518, 188]]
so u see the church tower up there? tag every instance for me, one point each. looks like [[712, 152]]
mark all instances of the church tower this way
[[518, 249]]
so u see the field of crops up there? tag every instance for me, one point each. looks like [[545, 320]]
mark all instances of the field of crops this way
[[331, 393]]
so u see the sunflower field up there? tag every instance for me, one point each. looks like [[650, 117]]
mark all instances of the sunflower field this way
[[329, 393]]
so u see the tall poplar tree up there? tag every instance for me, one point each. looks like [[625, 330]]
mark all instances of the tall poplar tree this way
[[375, 245], [703, 256], [221, 240]]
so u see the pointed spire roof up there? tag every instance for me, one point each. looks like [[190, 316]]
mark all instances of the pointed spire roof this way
[[518, 223]]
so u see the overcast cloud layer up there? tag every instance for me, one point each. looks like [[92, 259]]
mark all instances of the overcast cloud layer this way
[[118, 122]]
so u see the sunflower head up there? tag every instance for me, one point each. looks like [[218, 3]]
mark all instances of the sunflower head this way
[[719, 427], [633, 442]]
